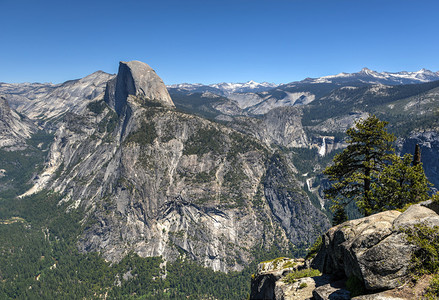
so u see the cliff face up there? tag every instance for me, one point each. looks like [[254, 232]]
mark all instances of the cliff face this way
[[160, 182], [137, 79], [14, 128], [46, 103], [429, 143]]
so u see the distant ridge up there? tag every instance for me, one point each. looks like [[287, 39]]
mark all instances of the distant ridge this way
[[365, 76]]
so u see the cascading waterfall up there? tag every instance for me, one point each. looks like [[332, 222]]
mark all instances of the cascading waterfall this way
[[322, 150]]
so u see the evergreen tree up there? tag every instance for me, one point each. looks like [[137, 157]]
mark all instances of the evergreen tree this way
[[369, 173], [356, 169], [401, 183]]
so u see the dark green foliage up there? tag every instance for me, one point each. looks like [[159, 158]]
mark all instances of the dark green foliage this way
[[370, 174], [360, 99], [425, 259], [355, 286], [109, 122], [293, 276], [356, 168], [197, 104], [400, 183], [339, 215], [243, 144], [97, 107], [145, 135], [417, 156], [203, 141], [20, 166], [37, 234], [432, 292], [204, 177], [315, 248]]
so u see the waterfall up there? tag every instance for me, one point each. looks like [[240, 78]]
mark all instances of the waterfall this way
[[322, 150]]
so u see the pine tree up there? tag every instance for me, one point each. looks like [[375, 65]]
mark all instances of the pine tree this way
[[356, 169], [370, 174], [401, 183]]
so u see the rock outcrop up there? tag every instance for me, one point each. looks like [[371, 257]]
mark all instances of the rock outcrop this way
[[269, 281], [47, 103], [14, 128], [137, 79], [373, 251]]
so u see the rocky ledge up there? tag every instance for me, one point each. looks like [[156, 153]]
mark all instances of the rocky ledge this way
[[370, 254]]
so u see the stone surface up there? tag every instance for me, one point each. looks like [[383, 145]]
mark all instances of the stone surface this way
[[14, 128], [332, 291], [268, 282], [137, 79], [379, 296], [373, 248], [47, 103]]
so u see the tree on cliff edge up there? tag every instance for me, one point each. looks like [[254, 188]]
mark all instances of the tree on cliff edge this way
[[356, 169], [370, 174]]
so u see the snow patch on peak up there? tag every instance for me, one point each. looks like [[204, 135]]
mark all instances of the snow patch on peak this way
[[227, 88]]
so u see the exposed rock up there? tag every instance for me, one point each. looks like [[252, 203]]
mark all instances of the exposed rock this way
[[281, 126], [48, 102], [263, 287], [160, 182], [332, 291], [268, 282], [14, 128], [411, 290], [373, 248], [379, 296], [429, 144], [138, 79]]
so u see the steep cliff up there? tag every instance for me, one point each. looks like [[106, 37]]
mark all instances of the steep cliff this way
[[160, 182], [44, 103], [14, 128]]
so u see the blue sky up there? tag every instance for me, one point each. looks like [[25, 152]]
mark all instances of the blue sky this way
[[216, 41]]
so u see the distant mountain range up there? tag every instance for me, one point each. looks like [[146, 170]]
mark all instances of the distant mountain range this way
[[223, 88], [254, 98], [368, 76], [365, 76]]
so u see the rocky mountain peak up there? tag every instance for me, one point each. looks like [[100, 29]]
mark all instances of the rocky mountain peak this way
[[138, 79]]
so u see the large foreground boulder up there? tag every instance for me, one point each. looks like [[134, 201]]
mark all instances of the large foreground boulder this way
[[374, 249]]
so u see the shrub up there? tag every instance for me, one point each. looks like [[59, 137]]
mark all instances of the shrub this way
[[432, 292], [315, 248], [293, 276], [425, 259], [97, 107], [145, 135], [302, 285]]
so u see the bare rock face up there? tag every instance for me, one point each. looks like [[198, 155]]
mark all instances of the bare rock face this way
[[268, 282], [429, 143], [14, 129], [332, 291], [49, 102], [163, 183], [137, 79], [374, 248]]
